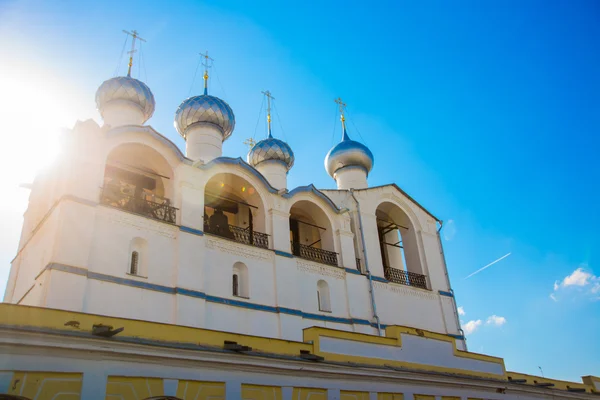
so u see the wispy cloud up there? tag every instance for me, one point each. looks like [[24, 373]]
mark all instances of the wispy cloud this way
[[495, 320], [580, 282], [461, 311], [449, 230], [489, 265], [471, 326]]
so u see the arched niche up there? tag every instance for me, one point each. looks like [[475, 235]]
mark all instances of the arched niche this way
[[399, 246], [139, 179], [311, 233], [234, 209]]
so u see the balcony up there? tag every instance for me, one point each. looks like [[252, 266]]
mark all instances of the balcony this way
[[240, 235], [314, 254], [160, 209], [404, 277]]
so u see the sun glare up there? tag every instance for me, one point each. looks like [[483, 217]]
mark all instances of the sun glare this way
[[33, 113]]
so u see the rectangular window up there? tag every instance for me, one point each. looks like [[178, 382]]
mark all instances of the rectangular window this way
[[236, 291], [133, 269]]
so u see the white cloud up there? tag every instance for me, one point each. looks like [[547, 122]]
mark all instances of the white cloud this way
[[579, 277], [471, 326], [461, 311], [496, 320], [580, 282], [449, 230]]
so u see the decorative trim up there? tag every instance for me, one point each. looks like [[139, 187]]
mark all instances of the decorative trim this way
[[201, 295], [147, 129], [407, 290], [320, 269], [312, 189], [241, 163], [283, 254], [443, 293], [379, 279], [191, 230], [238, 250], [139, 222], [352, 271]]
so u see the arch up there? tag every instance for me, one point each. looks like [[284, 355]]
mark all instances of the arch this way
[[139, 179], [235, 209], [240, 280], [260, 180], [323, 297], [311, 233], [150, 137], [399, 245], [315, 193], [138, 257]]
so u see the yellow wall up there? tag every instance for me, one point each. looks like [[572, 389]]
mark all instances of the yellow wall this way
[[347, 395], [309, 394], [423, 397], [46, 385], [132, 388], [390, 396], [195, 390], [450, 398], [256, 392]]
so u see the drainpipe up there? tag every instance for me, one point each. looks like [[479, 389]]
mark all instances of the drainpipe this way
[[448, 282], [364, 249]]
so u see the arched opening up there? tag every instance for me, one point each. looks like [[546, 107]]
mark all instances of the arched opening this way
[[138, 254], [139, 180], [323, 298], [233, 209], [240, 280], [399, 246], [311, 234]]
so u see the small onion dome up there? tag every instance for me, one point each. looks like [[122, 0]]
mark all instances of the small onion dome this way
[[271, 149], [204, 109], [128, 89], [348, 153]]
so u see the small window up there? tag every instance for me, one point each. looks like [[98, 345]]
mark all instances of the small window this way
[[236, 285], [323, 300], [133, 268]]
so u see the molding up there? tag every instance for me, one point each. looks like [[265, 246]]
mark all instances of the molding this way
[[201, 295], [283, 254], [191, 230], [443, 293], [312, 189], [406, 290], [238, 249], [320, 269], [244, 165], [378, 279], [140, 222], [352, 271]]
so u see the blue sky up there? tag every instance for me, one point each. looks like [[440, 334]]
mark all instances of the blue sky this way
[[487, 113]]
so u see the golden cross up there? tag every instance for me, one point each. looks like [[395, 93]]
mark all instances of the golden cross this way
[[250, 142], [342, 106], [269, 97], [207, 63], [135, 36]]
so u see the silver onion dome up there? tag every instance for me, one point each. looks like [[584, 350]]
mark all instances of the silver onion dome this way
[[348, 153], [128, 89], [204, 109], [271, 149]]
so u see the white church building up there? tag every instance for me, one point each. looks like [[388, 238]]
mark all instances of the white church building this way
[[147, 272]]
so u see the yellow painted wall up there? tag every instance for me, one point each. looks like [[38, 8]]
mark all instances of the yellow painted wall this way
[[390, 396], [132, 388], [256, 392], [46, 385], [450, 398], [309, 394], [195, 390], [348, 395], [423, 397]]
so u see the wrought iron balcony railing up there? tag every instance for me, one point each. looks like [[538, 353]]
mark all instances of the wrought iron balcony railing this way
[[112, 196], [314, 254], [240, 235], [404, 277]]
